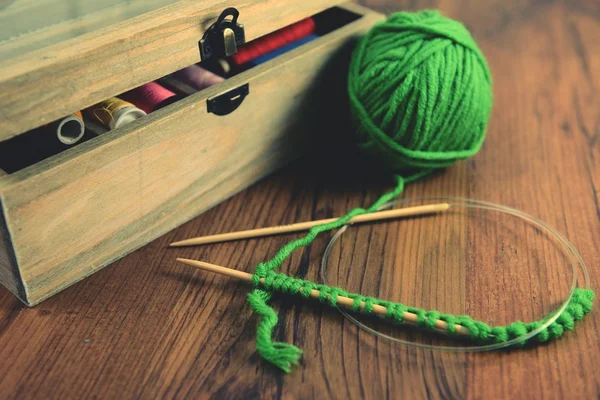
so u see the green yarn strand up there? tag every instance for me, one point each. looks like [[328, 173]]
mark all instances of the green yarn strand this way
[[285, 355]]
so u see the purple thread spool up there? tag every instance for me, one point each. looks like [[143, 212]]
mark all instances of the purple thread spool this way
[[197, 77]]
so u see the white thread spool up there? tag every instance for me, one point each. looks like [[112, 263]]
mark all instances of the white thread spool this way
[[114, 113], [124, 116]]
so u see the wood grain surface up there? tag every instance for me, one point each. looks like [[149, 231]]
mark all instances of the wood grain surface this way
[[148, 327]]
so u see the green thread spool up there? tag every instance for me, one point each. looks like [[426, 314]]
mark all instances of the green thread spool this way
[[420, 96]]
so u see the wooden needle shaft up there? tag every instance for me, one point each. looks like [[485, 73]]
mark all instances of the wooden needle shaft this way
[[315, 294], [302, 226]]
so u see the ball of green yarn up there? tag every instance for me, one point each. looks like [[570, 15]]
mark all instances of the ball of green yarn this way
[[420, 91]]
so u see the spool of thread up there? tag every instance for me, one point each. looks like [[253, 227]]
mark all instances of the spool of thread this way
[[198, 77], [70, 129], [115, 112], [151, 97], [193, 79], [274, 41], [281, 50]]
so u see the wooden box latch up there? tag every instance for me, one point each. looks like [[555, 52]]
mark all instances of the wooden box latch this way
[[223, 37]]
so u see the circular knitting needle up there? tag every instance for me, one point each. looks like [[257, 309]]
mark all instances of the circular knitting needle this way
[[315, 294], [302, 226]]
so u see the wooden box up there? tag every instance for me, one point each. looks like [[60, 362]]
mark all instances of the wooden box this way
[[65, 217]]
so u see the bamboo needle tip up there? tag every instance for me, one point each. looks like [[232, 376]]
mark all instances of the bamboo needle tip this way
[[181, 243], [192, 263]]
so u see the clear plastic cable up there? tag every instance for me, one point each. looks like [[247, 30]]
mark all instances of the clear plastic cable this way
[[571, 252]]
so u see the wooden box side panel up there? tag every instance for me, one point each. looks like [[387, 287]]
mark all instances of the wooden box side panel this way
[[76, 213], [10, 277], [80, 72]]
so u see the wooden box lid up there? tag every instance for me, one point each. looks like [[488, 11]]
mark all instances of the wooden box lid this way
[[58, 56]]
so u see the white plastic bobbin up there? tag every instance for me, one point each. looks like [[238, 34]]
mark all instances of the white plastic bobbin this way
[[70, 129]]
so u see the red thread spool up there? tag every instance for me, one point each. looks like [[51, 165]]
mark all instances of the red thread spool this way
[[274, 41], [150, 97]]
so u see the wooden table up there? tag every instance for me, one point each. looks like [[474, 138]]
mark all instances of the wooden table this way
[[148, 327]]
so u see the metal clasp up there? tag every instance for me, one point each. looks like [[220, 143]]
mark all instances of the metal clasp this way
[[223, 37], [227, 102]]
